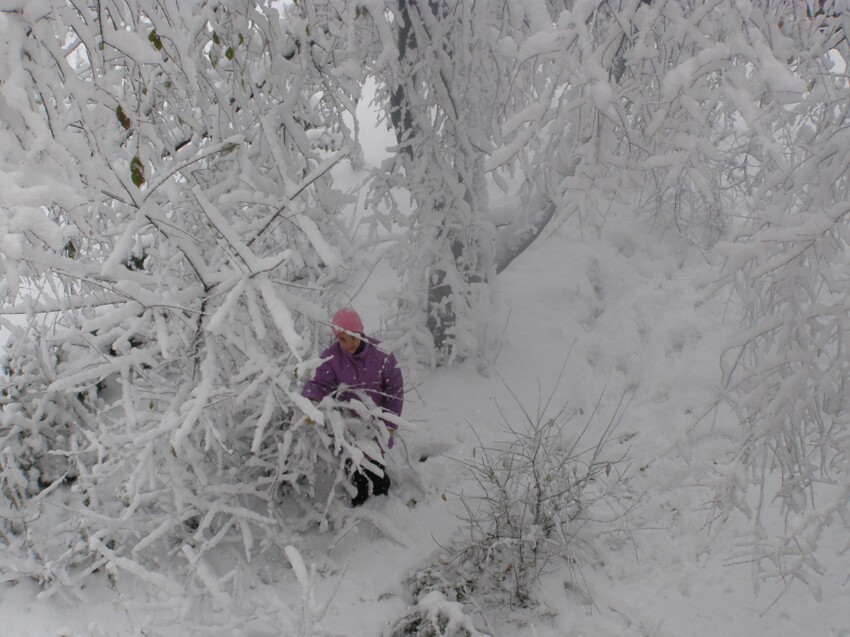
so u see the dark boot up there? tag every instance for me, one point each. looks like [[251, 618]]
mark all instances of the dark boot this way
[[368, 483], [362, 484], [380, 484]]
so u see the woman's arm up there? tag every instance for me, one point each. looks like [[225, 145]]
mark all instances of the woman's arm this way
[[324, 381]]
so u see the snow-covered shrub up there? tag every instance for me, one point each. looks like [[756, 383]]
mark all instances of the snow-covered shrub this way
[[541, 499], [37, 424], [435, 616], [312, 612], [436, 577], [312, 460], [787, 372], [167, 230]]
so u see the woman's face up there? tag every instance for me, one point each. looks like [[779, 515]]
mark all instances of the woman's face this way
[[348, 342]]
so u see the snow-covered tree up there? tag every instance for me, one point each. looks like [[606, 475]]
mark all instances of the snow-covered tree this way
[[510, 115], [787, 374], [729, 121], [167, 228], [466, 111], [725, 120]]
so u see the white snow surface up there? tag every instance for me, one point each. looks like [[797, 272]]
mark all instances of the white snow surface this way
[[623, 303], [630, 300]]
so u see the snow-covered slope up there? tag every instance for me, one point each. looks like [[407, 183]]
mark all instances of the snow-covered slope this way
[[622, 304]]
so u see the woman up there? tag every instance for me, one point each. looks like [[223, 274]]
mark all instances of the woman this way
[[356, 364]]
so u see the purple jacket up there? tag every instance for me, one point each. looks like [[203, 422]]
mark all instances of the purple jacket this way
[[372, 371]]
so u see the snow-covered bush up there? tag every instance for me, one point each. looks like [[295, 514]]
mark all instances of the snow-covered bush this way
[[37, 425], [542, 499], [435, 616], [787, 372], [314, 459], [168, 229]]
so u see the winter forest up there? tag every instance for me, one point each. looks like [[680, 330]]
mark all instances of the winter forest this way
[[606, 240]]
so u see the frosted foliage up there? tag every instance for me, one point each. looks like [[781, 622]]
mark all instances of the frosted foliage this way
[[725, 121], [744, 144], [169, 216], [788, 373], [447, 80], [510, 115], [444, 121], [168, 224]]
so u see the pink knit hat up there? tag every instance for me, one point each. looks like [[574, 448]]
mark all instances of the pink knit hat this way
[[346, 320]]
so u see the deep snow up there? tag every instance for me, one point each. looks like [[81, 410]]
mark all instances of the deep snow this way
[[628, 299], [624, 303]]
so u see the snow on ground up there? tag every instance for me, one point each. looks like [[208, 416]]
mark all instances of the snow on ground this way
[[623, 305]]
